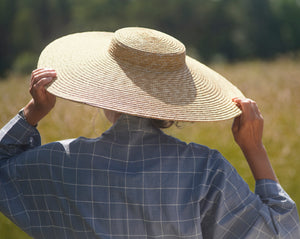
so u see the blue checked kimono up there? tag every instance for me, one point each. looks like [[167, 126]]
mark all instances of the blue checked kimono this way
[[133, 182]]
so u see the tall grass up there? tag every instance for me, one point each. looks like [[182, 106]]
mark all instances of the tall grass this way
[[274, 85]]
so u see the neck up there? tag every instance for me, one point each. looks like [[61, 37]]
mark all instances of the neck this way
[[112, 116]]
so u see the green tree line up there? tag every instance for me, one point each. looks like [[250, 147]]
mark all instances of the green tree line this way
[[229, 30]]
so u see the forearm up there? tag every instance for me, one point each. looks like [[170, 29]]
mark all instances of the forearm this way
[[259, 163]]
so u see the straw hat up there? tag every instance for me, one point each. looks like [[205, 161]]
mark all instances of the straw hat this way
[[138, 71]]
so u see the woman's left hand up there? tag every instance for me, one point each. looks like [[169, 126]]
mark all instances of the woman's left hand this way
[[42, 101]]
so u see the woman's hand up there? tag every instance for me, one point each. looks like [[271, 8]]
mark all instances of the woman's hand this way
[[247, 130], [42, 101]]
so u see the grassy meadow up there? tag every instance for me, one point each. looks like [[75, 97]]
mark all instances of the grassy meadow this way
[[274, 85]]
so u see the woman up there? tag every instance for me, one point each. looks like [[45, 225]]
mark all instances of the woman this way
[[135, 181]]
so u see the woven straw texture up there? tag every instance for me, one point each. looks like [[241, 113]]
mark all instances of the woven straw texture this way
[[138, 71]]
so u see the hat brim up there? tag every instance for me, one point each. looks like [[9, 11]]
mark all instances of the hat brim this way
[[87, 73]]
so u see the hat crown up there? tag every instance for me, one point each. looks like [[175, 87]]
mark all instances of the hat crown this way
[[147, 48]]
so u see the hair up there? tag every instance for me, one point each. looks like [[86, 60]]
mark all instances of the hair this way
[[162, 124]]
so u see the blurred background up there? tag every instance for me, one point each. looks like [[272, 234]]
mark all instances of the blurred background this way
[[253, 43], [212, 30]]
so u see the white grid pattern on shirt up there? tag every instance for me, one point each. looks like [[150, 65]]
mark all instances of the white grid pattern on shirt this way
[[154, 186]]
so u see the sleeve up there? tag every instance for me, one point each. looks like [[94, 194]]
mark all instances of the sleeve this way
[[16, 137], [282, 210], [236, 212]]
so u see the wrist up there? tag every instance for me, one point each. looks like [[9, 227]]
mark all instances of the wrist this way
[[33, 114], [254, 148], [21, 113]]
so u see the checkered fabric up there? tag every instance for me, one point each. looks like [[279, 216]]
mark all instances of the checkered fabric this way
[[133, 182]]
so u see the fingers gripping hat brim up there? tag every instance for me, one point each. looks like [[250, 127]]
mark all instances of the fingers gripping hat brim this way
[[120, 72]]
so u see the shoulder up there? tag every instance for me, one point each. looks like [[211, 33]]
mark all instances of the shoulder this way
[[53, 150], [203, 151], [195, 150], [204, 158], [68, 146], [215, 169]]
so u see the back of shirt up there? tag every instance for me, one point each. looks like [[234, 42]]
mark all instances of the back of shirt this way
[[133, 182]]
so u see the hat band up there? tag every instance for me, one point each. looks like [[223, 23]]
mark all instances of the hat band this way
[[154, 61]]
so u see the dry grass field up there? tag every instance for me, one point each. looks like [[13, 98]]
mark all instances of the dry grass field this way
[[274, 85]]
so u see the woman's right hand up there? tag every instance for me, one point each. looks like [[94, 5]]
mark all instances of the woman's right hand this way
[[247, 130]]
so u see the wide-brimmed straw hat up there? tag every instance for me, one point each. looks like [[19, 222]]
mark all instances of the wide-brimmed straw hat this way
[[138, 71]]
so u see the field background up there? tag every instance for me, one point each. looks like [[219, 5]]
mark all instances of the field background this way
[[274, 85]]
